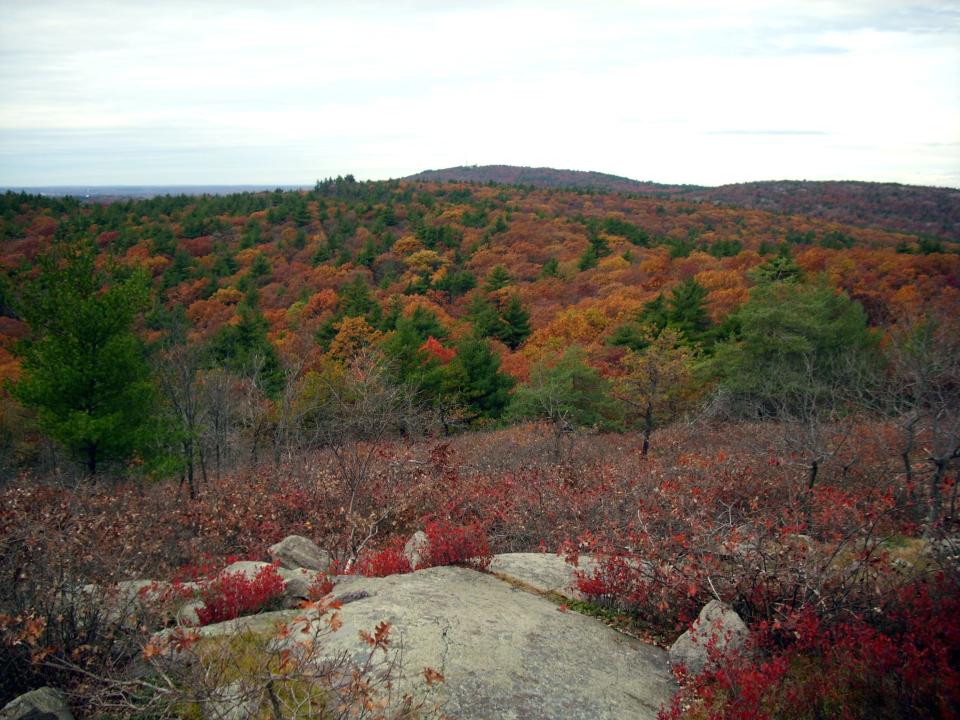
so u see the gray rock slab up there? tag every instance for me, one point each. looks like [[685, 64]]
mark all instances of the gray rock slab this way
[[505, 653]]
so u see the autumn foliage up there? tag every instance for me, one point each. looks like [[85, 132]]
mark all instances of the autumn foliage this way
[[699, 401], [231, 595]]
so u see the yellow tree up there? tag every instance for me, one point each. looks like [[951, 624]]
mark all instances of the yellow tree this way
[[656, 381], [354, 336]]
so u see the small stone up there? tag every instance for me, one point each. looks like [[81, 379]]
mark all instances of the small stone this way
[[296, 551], [188, 613], [248, 568], [718, 623], [417, 549]]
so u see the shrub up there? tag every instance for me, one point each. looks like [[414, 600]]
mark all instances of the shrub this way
[[457, 545], [450, 544], [390, 560], [901, 662], [233, 594]]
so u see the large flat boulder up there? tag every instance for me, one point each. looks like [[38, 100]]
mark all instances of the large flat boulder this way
[[504, 652]]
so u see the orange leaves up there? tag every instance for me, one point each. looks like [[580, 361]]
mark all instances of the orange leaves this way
[[153, 649], [354, 335], [380, 638], [22, 629], [180, 640], [432, 677], [324, 301], [207, 315]]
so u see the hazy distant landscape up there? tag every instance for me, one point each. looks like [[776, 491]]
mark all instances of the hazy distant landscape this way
[[105, 193]]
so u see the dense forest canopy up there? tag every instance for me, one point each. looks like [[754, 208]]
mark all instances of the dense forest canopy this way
[[427, 274]]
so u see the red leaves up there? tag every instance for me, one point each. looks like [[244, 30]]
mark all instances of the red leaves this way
[[805, 667], [432, 677], [232, 594], [320, 587], [387, 561], [452, 544], [449, 544], [434, 349]]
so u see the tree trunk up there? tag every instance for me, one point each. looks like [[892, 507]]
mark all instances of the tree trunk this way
[[92, 459], [203, 464], [911, 492], [808, 495], [936, 502], [647, 429], [908, 468], [188, 455], [951, 513], [557, 442]]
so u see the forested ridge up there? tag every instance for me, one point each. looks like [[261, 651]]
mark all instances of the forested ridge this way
[[716, 401], [893, 206]]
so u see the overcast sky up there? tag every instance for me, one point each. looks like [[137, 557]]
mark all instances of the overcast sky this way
[[130, 92]]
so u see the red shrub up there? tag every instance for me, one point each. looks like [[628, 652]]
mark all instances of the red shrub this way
[[449, 545], [321, 586], [903, 661], [387, 561], [457, 545], [231, 595]]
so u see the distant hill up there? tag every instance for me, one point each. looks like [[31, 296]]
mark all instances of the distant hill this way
[[550, 178], [908, 208]]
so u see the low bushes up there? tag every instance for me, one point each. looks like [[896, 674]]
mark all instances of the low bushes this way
[[231, 595], [448, 544], [900, 660]]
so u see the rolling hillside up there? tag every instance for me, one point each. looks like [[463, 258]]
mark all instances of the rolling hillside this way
[[908, 208]]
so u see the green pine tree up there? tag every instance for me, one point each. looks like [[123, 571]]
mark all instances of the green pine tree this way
[[84, 369], [782, 268], [245, 349], [687, 311], [514, 325], [475, 380], [655, 313], [483, 315], [588, 259], [551, 268], [497, 279]]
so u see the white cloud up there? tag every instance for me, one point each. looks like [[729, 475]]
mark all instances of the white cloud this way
[[686, 92]]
